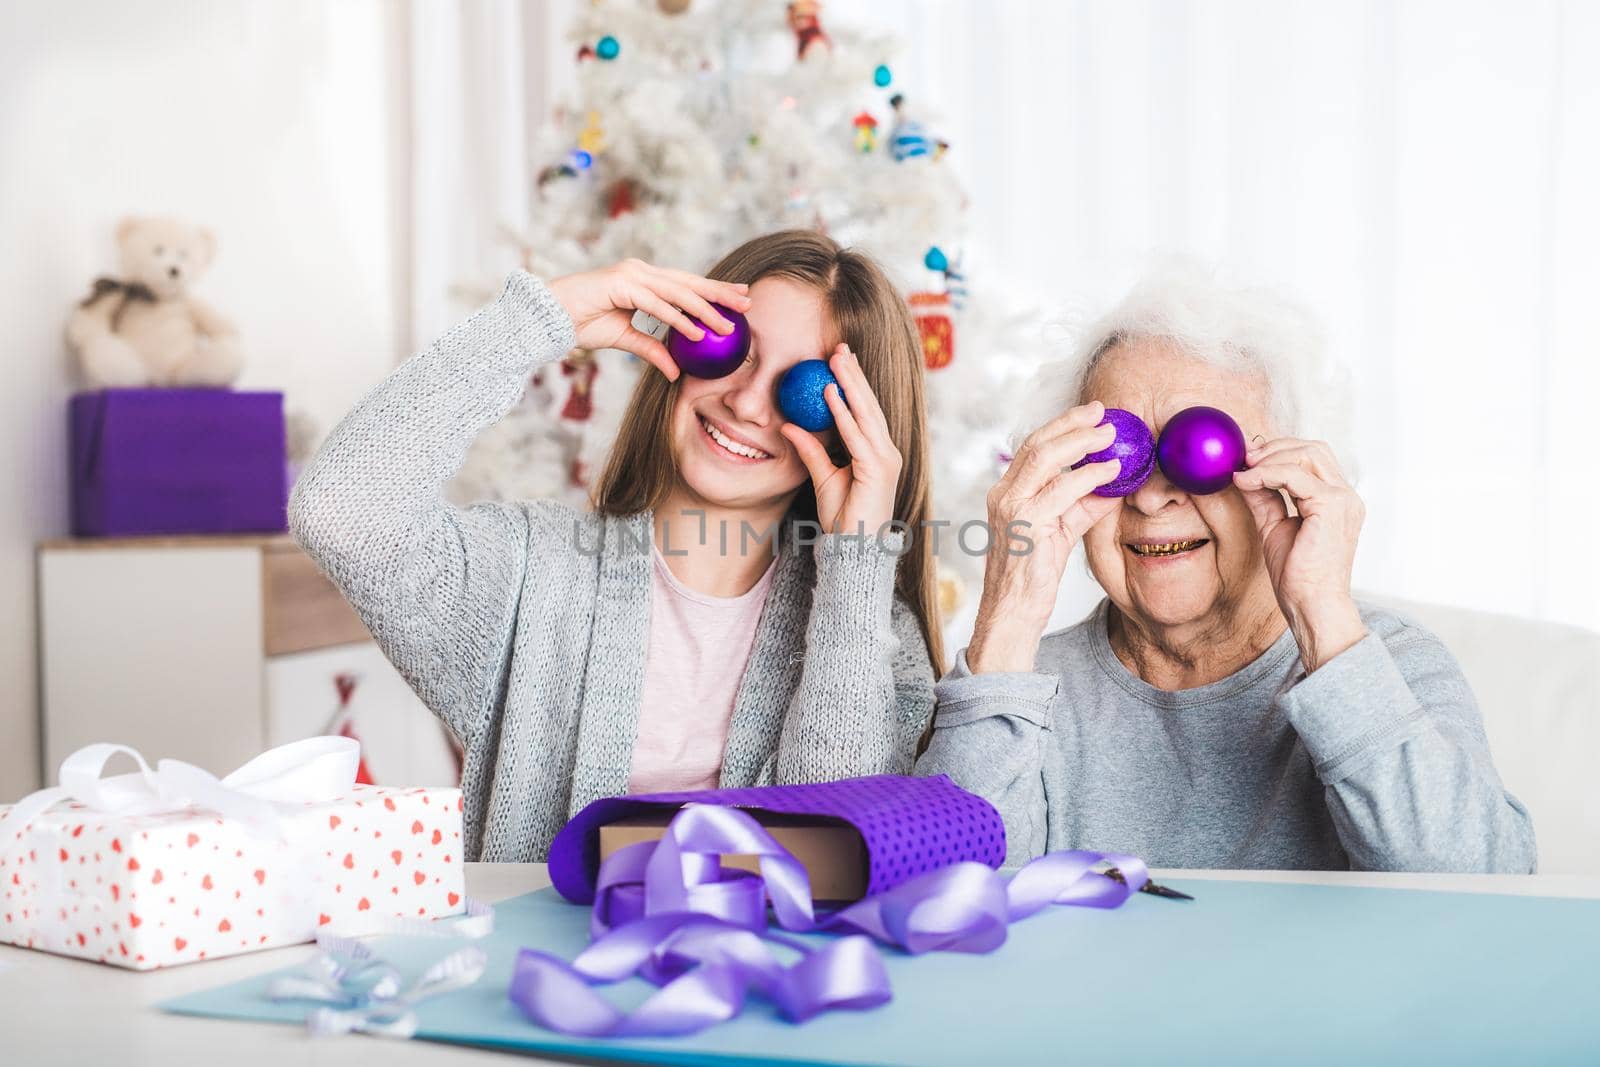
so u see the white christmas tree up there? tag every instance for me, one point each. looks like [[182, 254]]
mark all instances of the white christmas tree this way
[[698, 124]]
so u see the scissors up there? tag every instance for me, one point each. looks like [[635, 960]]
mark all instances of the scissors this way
[[1149, 887]]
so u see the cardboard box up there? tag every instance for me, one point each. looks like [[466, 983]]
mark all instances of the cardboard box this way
[[831, 851]]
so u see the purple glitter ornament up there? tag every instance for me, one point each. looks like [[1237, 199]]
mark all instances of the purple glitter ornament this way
[[1134, 446], [715, 355], [1199, 450]]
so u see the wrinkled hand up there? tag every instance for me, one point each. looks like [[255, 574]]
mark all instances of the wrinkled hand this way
[[602, 302], [1309, 555], [858, 497], [1042, 500]]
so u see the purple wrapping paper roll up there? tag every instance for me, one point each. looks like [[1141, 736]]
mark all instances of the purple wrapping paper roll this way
[[910, 826]]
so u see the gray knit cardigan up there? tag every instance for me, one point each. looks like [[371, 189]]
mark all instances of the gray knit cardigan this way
[[523, 625]]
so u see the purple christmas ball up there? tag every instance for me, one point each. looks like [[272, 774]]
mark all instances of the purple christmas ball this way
[[715, 355], [1134, 447], [1199, 450]]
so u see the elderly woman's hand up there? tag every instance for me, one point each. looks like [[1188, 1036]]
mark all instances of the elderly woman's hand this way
[[1309, 555], [1038, 511]]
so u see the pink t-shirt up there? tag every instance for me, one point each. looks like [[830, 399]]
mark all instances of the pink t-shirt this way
[[699, 646]]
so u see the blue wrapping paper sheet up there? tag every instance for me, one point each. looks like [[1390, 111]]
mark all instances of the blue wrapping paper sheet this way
[[1249, 971]]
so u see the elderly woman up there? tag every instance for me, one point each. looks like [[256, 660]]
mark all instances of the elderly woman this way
[[1229, 703]]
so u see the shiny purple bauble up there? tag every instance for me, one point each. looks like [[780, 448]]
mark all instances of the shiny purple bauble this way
[[715, 355], [1134, 447], [1199, 450]]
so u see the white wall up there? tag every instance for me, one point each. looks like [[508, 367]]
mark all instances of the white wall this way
[[274, 122]]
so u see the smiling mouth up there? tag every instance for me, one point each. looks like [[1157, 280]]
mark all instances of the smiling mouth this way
[[1151, 549], [728, 444]]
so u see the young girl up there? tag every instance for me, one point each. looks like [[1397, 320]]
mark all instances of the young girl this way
[[660, 642]]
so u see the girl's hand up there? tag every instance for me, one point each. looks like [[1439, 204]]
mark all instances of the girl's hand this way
[[858, 497], [1309, 555], [1038, 512], [602, 302]]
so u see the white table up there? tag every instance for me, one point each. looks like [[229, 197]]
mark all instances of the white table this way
[[55, 1010]]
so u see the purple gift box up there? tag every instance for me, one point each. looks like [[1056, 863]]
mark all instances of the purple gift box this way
[[177, 461], [909, 825]]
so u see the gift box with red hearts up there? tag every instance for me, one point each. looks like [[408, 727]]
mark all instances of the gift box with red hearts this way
[[152, 889]]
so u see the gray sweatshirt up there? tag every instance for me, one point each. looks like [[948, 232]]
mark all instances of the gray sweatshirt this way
[[1377, 761], [523, 625]]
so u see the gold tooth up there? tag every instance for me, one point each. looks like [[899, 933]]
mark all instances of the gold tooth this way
[[1166, 549]]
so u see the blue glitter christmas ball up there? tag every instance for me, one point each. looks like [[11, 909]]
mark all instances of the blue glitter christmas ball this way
[[607, 47], [800, 395]]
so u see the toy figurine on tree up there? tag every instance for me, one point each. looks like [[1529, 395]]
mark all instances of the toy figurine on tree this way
[[807, 26]]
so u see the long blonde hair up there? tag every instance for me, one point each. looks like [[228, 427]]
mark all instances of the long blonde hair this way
[[873, 319]]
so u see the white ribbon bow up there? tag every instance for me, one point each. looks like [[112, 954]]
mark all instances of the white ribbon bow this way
[[360, 992], [309, 771]]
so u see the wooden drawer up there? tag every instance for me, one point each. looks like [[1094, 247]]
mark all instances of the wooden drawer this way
[[301, 609]]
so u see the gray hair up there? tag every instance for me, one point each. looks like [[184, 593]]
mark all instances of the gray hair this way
[[1239, 328]]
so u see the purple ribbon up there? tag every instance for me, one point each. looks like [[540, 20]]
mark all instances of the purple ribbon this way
[[669, 913]]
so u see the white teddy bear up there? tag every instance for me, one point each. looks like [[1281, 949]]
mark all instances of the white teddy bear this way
[[145, 329]]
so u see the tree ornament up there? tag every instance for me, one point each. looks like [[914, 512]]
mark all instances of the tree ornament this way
[[936, 328], [908, 138], [554, 171], [866, 128], [585, 52], [673, 7], [955, 282], [582, 368], [806, 22], [882, 76], [1200, 449], [608, 47], [952, 590], [1134, 447], [592, 139], [715, 355], [800, 395], [955, 285], [619, 198]]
